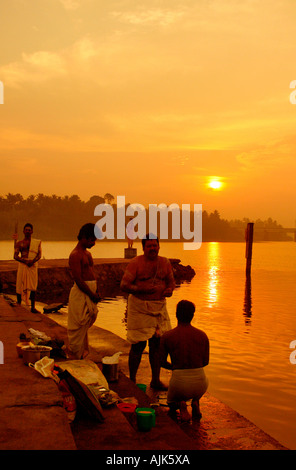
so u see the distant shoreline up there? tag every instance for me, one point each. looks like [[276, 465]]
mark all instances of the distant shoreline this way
[[161, 241]]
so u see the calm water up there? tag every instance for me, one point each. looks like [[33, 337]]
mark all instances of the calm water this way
[[250, 327]]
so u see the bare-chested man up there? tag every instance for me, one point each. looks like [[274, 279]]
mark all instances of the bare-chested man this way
[[148, 279], [27, 252], [188, 348], [84, 296]]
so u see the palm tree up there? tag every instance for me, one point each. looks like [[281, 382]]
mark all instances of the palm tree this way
[[109, 198]]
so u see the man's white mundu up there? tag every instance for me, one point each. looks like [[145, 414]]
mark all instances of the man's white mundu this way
[[27, 276]]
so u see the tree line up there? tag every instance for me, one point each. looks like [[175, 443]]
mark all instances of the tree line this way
[[60, 218]]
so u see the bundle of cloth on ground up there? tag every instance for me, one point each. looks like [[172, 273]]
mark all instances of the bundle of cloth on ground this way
[[90, 375]]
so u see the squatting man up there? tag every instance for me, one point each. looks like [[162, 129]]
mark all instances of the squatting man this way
[[188, 348]]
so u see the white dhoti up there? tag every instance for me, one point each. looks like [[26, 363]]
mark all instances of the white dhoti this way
[[27, 276], [145, 318], [82, 313], [186, 384]]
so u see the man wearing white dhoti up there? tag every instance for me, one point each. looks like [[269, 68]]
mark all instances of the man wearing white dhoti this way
[[148, 279], [188, 348], [27, 252], [83, 299]]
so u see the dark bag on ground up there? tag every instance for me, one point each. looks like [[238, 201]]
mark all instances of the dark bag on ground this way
[[84, 398]]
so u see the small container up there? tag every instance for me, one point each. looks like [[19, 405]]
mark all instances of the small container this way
[[31, 354], [110, 367], [145, 418], [142, 387], [127, 407], [20, 345], [110, 371]]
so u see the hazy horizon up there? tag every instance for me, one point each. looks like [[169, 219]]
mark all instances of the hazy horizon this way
[[129, 203], [162, 102]]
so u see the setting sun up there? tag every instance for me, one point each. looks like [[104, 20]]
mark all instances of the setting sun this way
[[215, 184]]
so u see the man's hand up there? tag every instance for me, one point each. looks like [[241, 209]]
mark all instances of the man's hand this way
[[29, 263], [168, 292], [95, 297]]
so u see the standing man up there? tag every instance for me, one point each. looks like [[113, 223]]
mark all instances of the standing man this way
[[188, 348], [83, 299], [27, 252], [148, 279]]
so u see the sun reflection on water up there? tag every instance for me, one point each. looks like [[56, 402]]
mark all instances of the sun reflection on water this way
[[213, 273]]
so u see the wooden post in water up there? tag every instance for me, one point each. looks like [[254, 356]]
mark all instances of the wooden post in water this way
[[249, 246]]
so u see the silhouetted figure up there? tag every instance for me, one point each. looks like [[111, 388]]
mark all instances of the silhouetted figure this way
[[27, 252], [148, 279], [188, 348], [83, 299]]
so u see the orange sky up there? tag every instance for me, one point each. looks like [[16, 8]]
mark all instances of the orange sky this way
[[150, 99]]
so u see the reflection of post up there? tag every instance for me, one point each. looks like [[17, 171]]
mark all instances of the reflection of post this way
[[249, 245], [248, 300]]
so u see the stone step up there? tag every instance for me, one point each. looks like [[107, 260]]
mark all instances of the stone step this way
[[119, 431]]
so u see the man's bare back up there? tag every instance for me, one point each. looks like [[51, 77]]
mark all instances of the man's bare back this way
[[188, 347]]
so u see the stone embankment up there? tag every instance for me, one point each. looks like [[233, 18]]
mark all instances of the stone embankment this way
[[55, 281], [32, 416]]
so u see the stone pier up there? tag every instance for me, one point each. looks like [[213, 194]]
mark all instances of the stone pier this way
[[55, 281]]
